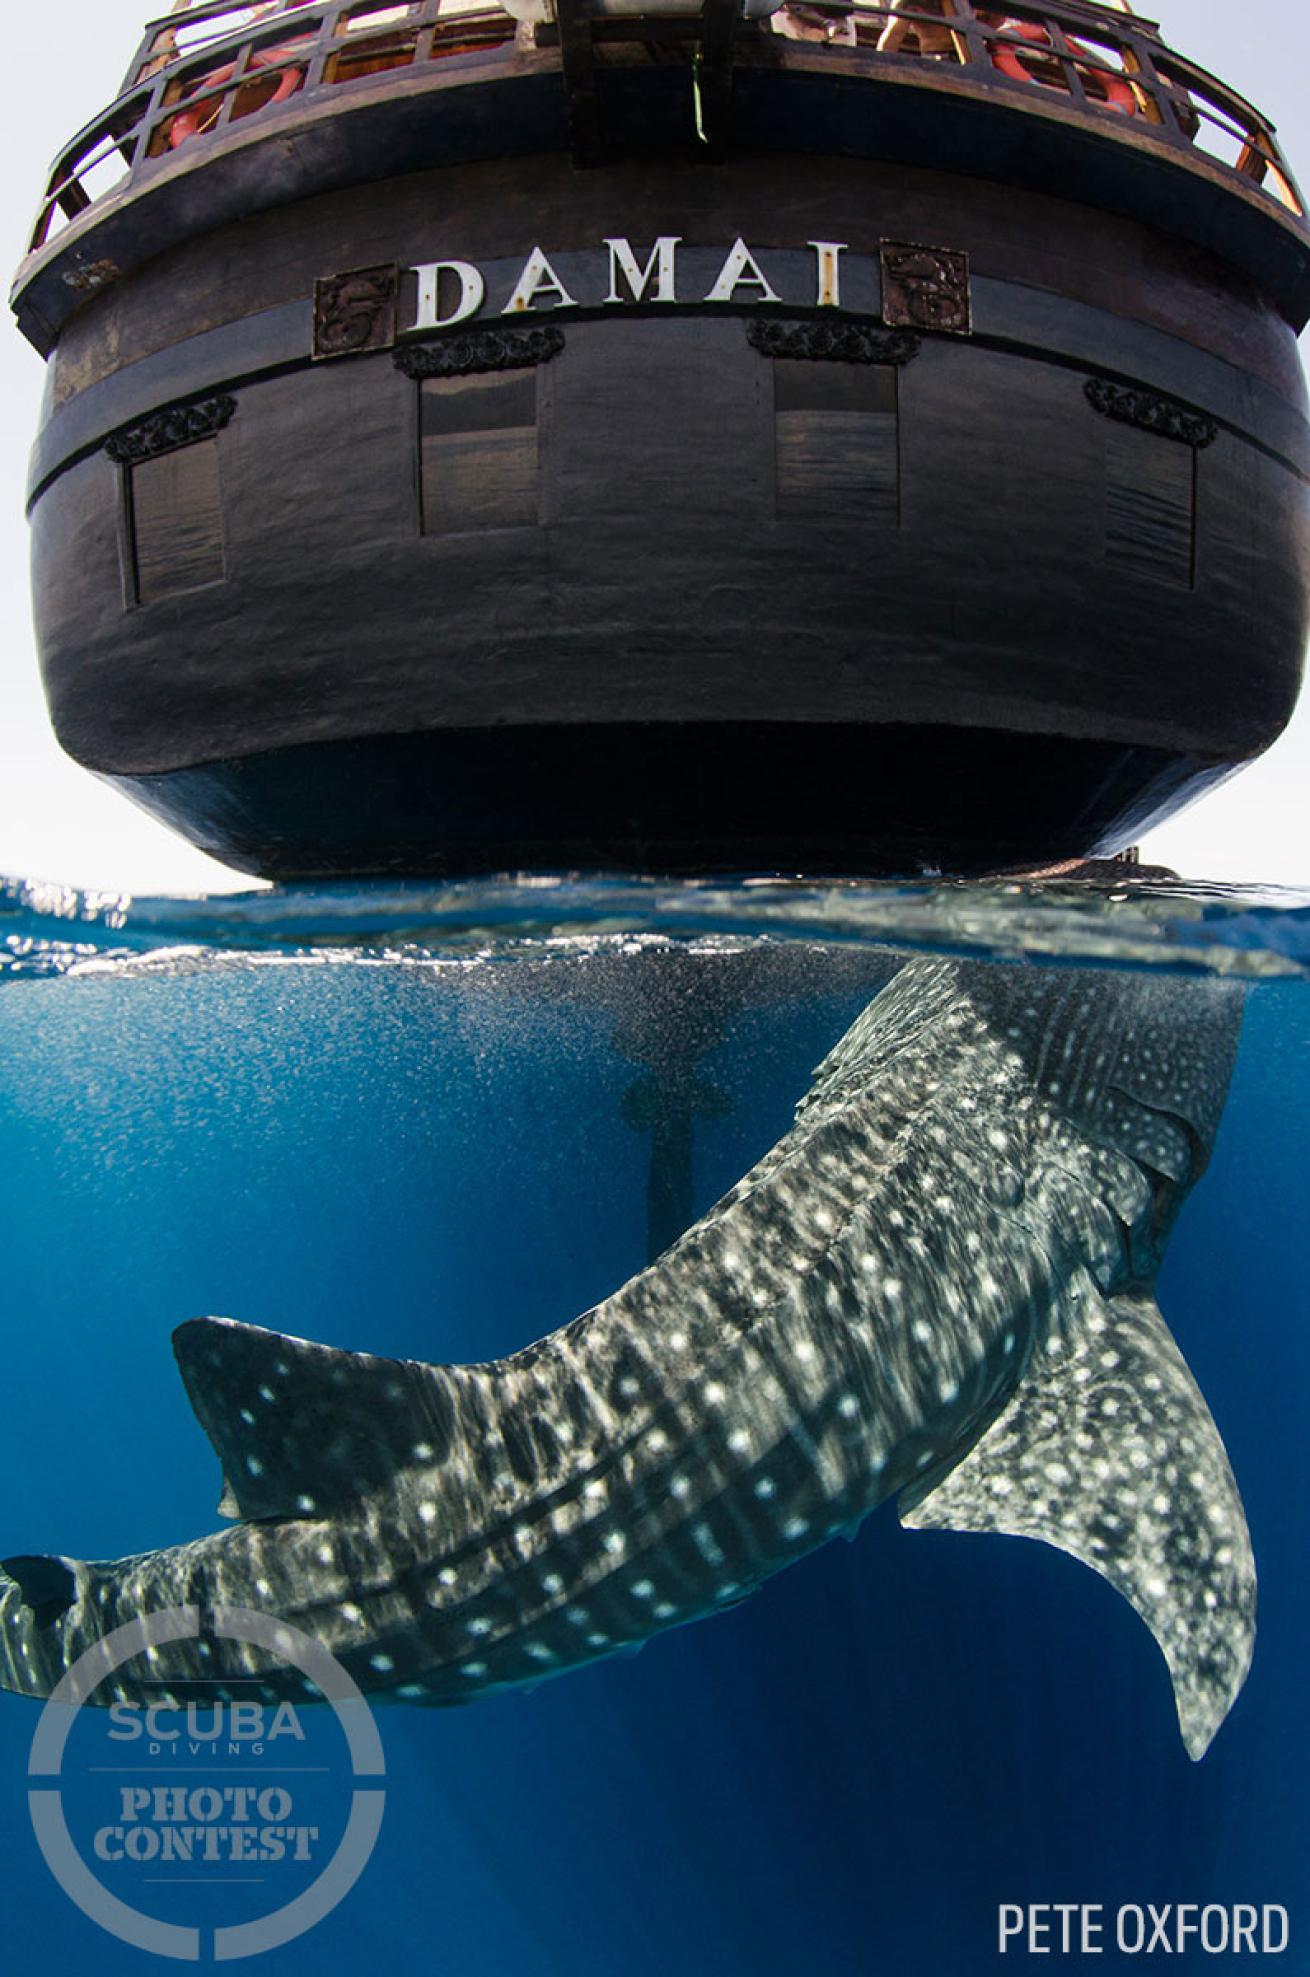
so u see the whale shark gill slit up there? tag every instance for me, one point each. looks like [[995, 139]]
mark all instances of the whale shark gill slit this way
[[937, 1286]]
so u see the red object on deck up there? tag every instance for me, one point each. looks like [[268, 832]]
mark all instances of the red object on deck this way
[[1013, 60], [195, 117]]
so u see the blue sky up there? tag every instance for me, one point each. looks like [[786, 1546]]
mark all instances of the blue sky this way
[[56, 822]]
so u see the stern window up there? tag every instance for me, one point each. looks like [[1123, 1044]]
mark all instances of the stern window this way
[[1150, 505], [836, 440], [175, 523], [478, 441]]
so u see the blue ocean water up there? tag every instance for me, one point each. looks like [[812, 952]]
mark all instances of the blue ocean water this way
[[397, 1119]]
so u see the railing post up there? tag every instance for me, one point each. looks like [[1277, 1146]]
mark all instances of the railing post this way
[[578, 59], [714, 74], [970, 31]]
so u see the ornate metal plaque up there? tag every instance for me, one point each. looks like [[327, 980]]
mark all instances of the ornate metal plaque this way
[[925, 287], [356, 311]]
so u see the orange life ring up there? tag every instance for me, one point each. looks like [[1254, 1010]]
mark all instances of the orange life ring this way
[[1010, 58], [189, 122]]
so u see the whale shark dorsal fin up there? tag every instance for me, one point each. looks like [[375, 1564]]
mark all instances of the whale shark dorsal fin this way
[[48, 1585], [302, 1429], [1107, 1450]]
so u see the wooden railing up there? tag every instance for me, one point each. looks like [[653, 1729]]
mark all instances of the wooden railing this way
[[209, 66]]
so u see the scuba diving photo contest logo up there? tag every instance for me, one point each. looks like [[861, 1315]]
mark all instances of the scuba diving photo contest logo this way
[[213, 1829]]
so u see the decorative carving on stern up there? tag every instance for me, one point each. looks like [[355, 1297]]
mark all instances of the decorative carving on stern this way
[[1149, 411], [480, 350], [166, 431], [836, 343]]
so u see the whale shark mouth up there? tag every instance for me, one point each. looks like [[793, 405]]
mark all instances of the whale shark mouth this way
[[936, 1286]]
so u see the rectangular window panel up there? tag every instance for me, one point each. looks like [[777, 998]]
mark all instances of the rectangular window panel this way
[[479, 452], [836, 442], [177, 522], [1150, 505]]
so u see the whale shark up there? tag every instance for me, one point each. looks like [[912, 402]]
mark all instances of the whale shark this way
[[937, 1286]]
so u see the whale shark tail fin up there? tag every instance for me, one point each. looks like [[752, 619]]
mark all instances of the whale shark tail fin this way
[[1107, 1450], [301, 1429]]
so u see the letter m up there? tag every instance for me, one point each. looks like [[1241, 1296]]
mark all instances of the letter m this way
[[662, 268]]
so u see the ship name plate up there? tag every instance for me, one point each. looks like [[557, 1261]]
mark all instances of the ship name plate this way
[[368, 309]]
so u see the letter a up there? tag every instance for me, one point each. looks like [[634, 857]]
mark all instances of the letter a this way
[[741, 270], [538, 276]]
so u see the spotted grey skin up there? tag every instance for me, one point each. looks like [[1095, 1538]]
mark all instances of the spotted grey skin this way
[[938, 1283]]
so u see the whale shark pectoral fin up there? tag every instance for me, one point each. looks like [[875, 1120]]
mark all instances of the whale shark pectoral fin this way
[[304, 1429], [1107, 1450]]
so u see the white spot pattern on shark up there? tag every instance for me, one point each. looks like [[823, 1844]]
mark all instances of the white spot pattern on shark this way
[[939, 1282]]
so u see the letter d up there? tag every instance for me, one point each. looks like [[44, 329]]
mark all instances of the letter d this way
[[472, 293]]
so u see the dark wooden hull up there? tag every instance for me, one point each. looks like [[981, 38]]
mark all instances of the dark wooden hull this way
[[672, 798], [708, 604]]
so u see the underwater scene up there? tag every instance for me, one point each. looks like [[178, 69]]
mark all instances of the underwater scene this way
[[858, 1230]]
